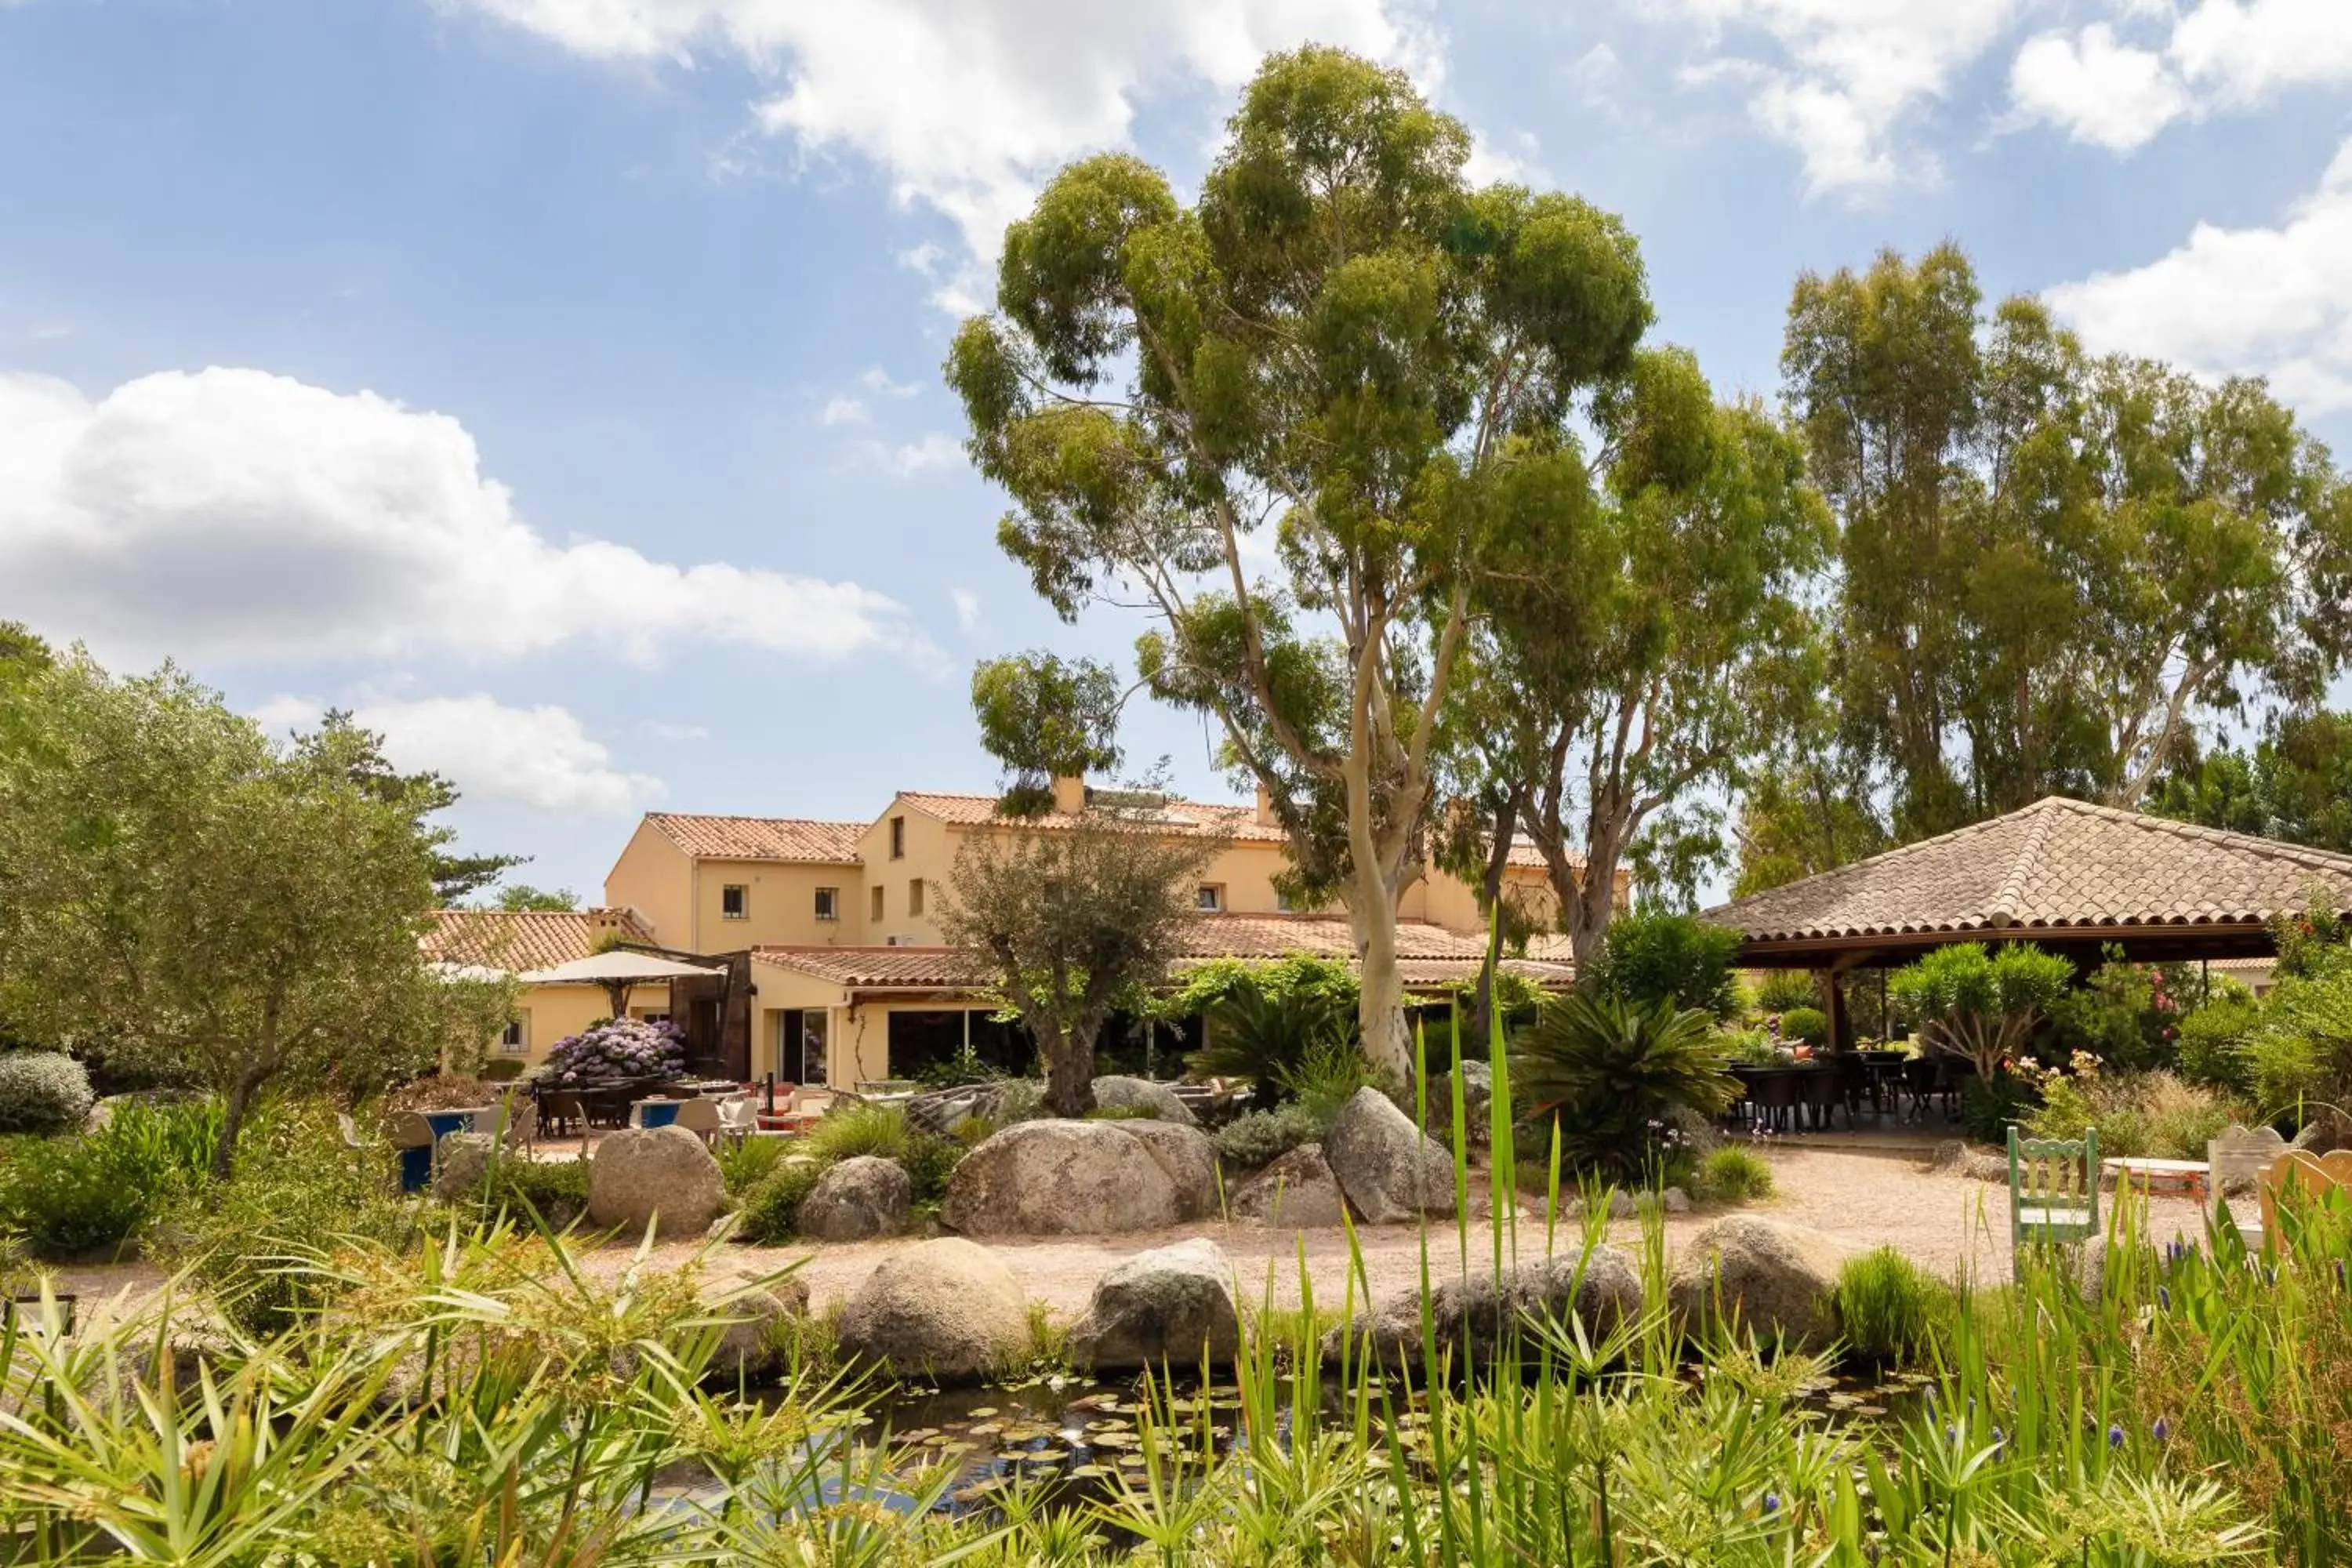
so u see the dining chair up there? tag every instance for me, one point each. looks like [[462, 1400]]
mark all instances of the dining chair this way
[[699, 1117]]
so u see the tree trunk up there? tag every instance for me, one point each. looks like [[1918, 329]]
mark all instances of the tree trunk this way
[[240, 1102], [1498, 858], [1070, 1075]]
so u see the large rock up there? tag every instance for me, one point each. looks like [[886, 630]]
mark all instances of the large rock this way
[[1771, 1280], [1297, 1190], [639, 1172], [1477, 1102], [1470, 1315], [1386, 1168], [757, 1304], [860, 1198], [1065, 1178], [948, 1308], [1114, 1092], [1189, 1156], [463, 1166], [1170, 1307]]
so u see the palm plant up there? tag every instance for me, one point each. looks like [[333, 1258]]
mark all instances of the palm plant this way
[[1272, 1037], [1611, 1073]]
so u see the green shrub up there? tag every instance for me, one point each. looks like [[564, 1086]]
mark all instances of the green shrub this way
[[1734, 1174], [42, 1093], [77, 1195], [1784, 990], [928, 1162], [1989, 1106], [876, 1130], [2154, 1114], [1681, 959], [297, 1189], [770, 1212], [1269, 1037], [1622, 1080], [1753, 1046], [1257, 1138], [1891, 1309], [1809, 1026], [1333, 1072], [743, 1162], [555, 1190], [2212, 1045]]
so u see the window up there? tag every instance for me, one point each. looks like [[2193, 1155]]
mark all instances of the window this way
[[828, 904], [1211, 898], [897, 839], [915, 896], [874, 913], [515, 1039], [735, 902]]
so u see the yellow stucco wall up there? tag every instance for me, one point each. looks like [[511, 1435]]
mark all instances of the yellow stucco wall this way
[[930, 848], [780, 905], [654, 878]]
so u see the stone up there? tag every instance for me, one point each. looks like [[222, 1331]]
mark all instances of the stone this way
[[642, 1176], [747, 1347], [464, 1164], [1297, 1190], [1114, 1092], [1470, 1315], [1170, 1307], [860, 1198], [1675, 1200], [1772, 1279], [1189, 1156], [1477, 1101], [946, 1310], [1064, 1178], [1387, 1170]]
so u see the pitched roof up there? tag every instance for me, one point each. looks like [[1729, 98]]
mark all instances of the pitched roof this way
[[788, 838], [1176, 815], [1426, 954], [2057, 866], [519, 940]]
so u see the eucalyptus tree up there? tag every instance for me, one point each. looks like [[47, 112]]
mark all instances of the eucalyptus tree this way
[[1641, 646], [1283, 420]]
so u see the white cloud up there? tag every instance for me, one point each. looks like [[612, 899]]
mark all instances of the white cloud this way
[[236, 515], [967, 609], [933, 450], [2270, 302], [538, 759], [2219, 54], [843, 410], [966, 105], [1838, 78], [2100, 90], [876, 380]]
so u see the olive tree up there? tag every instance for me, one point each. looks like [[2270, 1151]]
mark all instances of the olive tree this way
[[179, 892], [1071, 924], [1283, 420]]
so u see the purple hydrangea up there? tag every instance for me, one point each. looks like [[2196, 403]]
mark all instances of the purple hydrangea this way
[[614, 1050]]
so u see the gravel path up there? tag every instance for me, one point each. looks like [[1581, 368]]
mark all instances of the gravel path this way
[[1946, 1222]]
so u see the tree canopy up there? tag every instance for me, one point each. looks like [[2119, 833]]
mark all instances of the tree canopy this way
[[1045, 718], [176, 890], [2294, 783], [1290, 420]]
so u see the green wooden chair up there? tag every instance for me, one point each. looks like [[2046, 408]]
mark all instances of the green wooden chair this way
[[2053, 1189]]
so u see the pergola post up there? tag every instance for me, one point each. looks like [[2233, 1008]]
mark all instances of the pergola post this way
[[1833, 1003]]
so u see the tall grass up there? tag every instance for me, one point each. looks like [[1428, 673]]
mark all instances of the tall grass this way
[[1891, 1309]]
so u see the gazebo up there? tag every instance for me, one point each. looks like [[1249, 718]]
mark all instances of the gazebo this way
[[2068, 876]]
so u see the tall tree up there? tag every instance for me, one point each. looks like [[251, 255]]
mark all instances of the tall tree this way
[[517, 897], [174, 887], [339, 742], [1341, 345], [1635, 647], [1071, 925], [2295, 782], [1045, 718]]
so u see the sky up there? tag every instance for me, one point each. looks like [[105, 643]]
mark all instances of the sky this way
[[555, 382]]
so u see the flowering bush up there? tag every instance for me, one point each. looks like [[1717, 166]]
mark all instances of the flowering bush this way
[[42, 1092], [616, 1049]]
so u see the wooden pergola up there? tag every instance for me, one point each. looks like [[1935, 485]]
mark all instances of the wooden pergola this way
[[2068, 877]]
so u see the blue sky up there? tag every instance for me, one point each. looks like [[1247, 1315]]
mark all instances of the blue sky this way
[[556, 381]]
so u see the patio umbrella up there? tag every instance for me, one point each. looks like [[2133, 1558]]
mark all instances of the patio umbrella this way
[[616, 972]]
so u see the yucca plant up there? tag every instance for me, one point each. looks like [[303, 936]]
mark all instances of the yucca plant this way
[[1613, 1074]]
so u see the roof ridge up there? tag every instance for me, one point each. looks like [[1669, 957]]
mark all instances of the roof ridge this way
[[2006, 898], [2251, 843]]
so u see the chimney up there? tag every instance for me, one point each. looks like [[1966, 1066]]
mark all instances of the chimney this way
[[1070, 793], [1265, 807], [604, 920]]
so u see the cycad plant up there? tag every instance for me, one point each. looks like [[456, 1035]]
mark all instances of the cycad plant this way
[[1611, 1074], [1272, 1037]]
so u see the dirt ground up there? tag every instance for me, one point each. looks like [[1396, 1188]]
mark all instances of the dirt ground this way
[[1947, 1222]]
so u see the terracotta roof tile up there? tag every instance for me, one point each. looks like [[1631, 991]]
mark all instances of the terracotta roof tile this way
[[2058, 865], [1177, 816], [519, 940], [788, 838], [1427, 954]]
